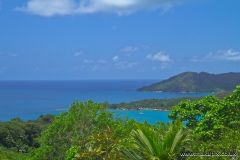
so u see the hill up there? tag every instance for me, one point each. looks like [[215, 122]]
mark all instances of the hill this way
[[196, 82]]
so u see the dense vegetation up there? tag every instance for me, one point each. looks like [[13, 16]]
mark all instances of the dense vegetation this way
[[17, 136], [159, 104], [196, 82], [89, 131]]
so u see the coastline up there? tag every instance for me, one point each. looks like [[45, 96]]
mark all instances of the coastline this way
[[141, 109]]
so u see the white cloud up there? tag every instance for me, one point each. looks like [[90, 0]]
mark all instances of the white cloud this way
[[67, 7], [130, 49], [227, 55], [115, 58], [49, 7], [125, 65], [78, 54], [160, 56], [220, 55]]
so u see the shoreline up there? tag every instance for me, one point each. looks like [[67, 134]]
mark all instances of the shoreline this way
[[141, 109]]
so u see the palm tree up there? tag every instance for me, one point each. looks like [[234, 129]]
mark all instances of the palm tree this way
[[154, 145]]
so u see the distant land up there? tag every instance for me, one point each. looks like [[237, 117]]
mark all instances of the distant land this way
[[157, 104], [196, 82]]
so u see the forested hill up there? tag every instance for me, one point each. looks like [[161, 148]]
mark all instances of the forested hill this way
[[196, 82]]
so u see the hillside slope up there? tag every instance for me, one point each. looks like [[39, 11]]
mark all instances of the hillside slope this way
[[196, 82]]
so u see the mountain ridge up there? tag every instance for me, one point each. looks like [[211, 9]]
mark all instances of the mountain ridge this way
[[196, 82]]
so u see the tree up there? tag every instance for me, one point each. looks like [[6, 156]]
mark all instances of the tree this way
[[209, 117], [215, 123], [33, 130], [71, 128], [11, 132], [153, 142], [106, 143], [102, 145]]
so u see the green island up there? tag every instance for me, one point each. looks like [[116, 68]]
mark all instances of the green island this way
[[203, 128], [157, 104], [196, 82]]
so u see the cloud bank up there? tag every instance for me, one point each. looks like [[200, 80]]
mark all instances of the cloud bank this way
[[68, 7]]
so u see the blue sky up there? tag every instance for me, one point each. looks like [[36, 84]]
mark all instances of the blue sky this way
[[124, 39]]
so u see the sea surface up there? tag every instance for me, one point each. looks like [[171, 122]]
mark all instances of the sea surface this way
[[29, 99]]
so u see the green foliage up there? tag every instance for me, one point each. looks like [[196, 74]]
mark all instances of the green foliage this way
[[196, 82], [229, 143], [103, 145], [106, 143], [154, 142], [19, 135], [215, 123], [11, 132], [9, 154], [72, 152], [46, 119], [210, 116], [161, 104], [73, 128]]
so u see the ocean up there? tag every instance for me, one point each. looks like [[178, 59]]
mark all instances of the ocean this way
[[29, 99]]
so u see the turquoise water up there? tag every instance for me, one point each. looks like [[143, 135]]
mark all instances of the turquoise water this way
[[151, 116], [29, 99]]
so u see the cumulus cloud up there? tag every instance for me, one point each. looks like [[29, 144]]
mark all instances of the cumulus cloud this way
[[66, 7], [160, 56], [115, 58], [78, 54]]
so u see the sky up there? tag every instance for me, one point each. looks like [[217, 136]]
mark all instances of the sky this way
[[117, 39]]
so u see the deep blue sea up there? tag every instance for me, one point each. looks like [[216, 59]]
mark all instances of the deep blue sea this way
[[29, 99]]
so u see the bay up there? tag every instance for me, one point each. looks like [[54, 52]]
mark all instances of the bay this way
[[29, 99], [151, 116]]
